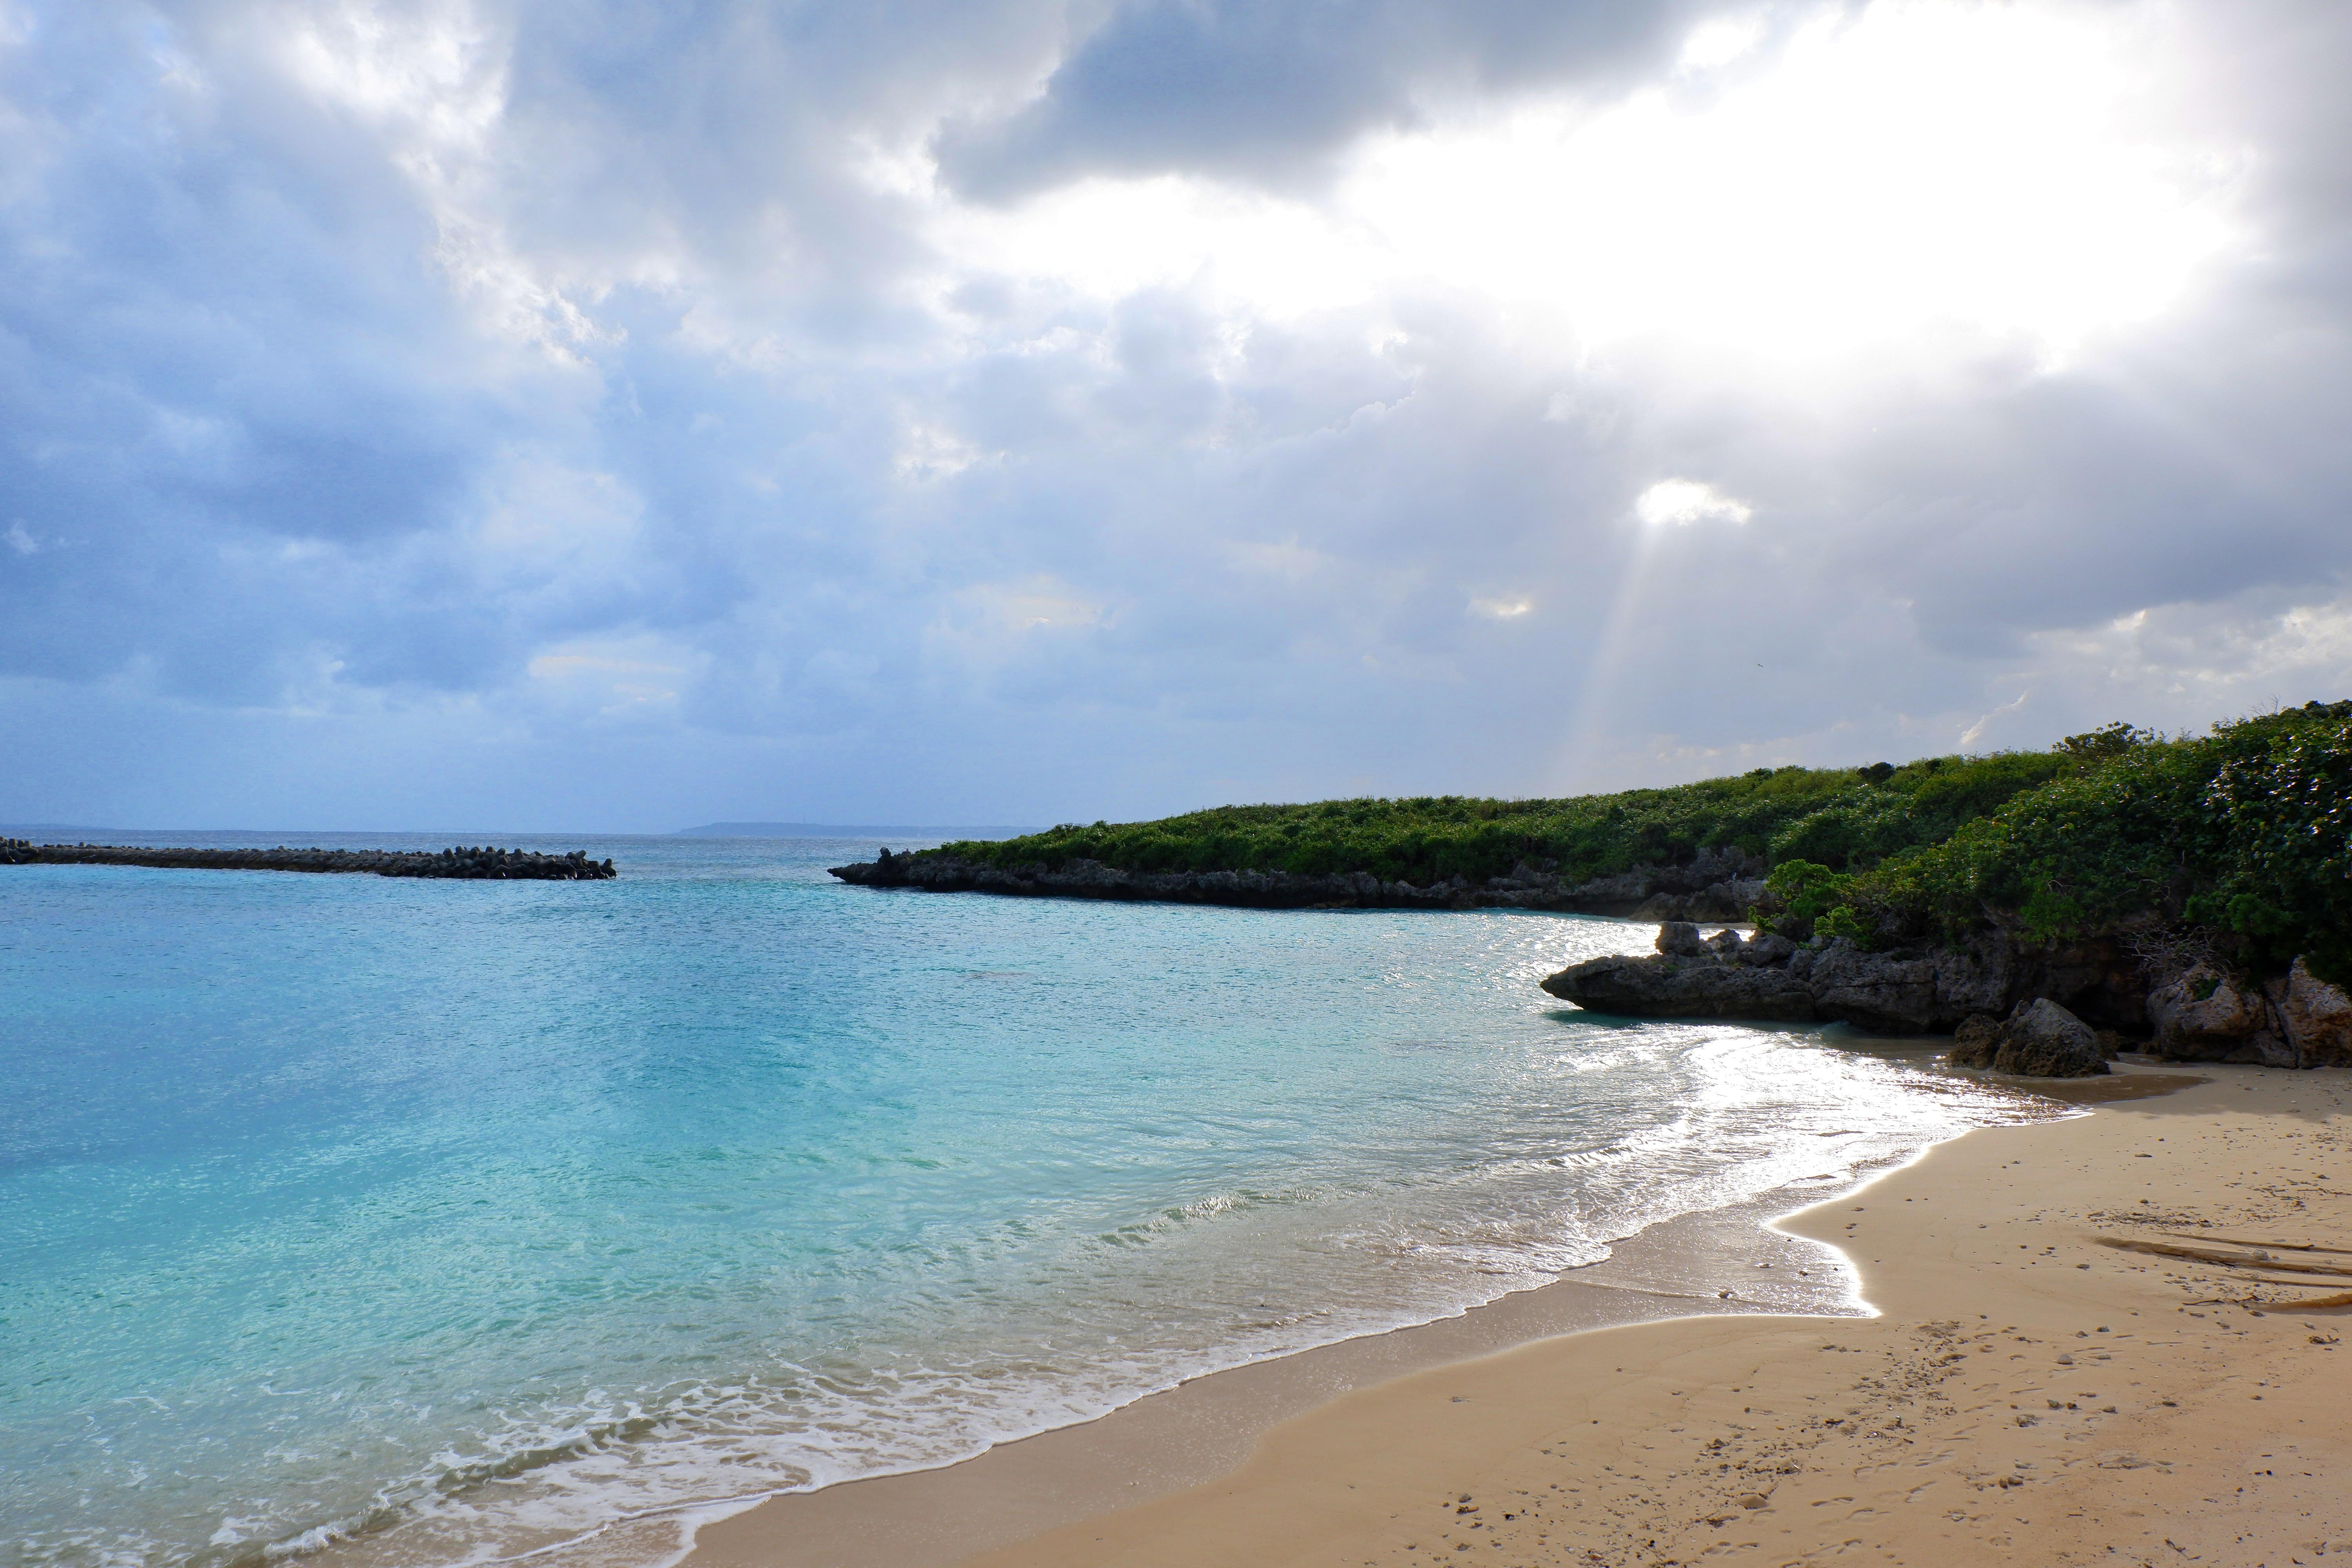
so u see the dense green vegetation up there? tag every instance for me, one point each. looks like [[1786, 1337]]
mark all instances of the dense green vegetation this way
[[2245, 835], [2242, 837], [1848, 819]]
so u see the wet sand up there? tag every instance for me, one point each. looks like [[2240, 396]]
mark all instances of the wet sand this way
[[2027, 1394], [1208, 1426]]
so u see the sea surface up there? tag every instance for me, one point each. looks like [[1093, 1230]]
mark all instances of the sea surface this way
[[464, 1217]]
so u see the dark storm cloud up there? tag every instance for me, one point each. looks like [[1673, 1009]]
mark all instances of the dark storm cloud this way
[[1262, 92]]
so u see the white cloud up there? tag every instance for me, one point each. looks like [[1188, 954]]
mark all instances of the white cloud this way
[[2007, 190], [1673, 503], [2187, 664], [1718, 42], [1975, 733], [928, 453]]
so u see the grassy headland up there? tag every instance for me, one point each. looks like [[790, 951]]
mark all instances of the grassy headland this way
[[1842, 817], [2241, 839]]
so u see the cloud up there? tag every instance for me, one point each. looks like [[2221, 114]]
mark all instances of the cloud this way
[[1677, 503], [2241, 655], [1975, 733], [1266, 94], [613, 415], [1501, 609]]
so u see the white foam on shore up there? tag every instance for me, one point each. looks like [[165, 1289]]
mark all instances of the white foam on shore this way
[[602, 1499]]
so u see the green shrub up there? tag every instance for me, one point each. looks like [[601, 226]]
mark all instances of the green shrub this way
[[2106, 743], [1835, 817], [1805, 891], [2245, 834], [1846, 921]]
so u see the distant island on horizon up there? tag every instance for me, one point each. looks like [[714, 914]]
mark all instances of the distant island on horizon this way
[[842, 830]]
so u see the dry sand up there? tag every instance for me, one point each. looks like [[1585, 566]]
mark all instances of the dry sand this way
[[2031, 1393]]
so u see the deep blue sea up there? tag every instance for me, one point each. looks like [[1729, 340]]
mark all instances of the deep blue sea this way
[[470, 1214]]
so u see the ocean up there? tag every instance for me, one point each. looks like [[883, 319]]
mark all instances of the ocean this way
[[462, 1218]]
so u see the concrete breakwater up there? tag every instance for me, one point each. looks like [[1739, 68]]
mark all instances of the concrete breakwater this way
[[1717, 885], [472, 863]]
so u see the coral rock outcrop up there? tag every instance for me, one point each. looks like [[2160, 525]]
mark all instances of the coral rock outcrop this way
[[2038, 1040], [1715, 885], [2025, 1010], [2315, 1017], [1889, 994]]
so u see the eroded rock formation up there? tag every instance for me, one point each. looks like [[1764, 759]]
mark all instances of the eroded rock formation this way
[[1772, 977], [2016, 1009], [2038, 1040], [2206, 1014]]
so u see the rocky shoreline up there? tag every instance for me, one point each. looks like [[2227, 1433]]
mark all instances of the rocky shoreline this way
[[2042, 1011], [1719, 885], [2034, 1010], [472, 864]]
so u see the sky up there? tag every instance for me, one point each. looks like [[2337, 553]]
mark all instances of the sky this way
[[616, 415]]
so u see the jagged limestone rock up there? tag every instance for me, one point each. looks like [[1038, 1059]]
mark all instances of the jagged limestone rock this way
[[1975, 1040], [2206, 1015], [2315, 1016], [1879, 992], [1979, 976], [2042, 1039], [1680, 939], [1677, 987]]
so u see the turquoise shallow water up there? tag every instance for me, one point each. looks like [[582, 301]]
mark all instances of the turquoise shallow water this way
[[474, 1214]]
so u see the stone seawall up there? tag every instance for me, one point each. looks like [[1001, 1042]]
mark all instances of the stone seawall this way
[[1716, 886], [468, 864]]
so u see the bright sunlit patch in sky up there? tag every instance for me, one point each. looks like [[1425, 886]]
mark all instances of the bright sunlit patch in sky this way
[[1673, 503], [1927, 169], [1717, 43]]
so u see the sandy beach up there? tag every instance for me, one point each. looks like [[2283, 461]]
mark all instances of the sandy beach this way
[[2030, 1391]]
